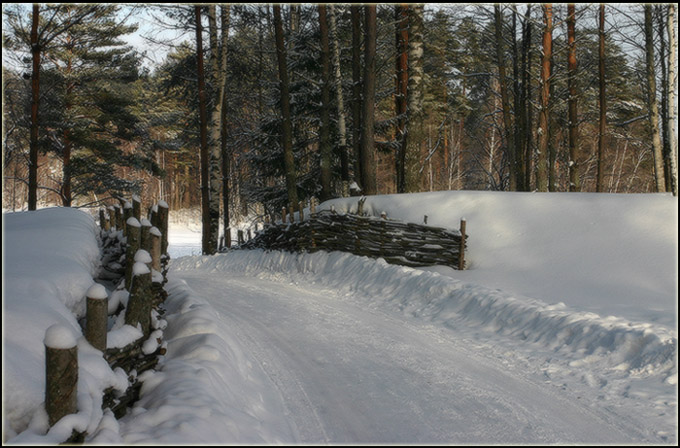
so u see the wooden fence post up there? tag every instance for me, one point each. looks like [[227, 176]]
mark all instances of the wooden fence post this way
[[301, 207], [240, 237], [163, 213], [291, 214], [97, 316], [61, 373], [136, 207], [133, 239], [127, 214], [155, 236], [139, 303], [145, 236], [461, 247], [103, 220]]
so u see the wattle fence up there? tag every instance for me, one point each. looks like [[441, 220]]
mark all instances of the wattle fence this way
[[134, 264], [397, 242]]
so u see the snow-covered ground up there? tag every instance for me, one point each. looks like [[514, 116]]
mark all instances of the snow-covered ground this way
[[563, 330]]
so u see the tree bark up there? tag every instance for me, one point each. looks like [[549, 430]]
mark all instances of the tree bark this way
[[672, 97], [505, 100], [203, 132], [215, 130], [324, 131], [574, 184], [414, 136], [356, 91], [342, 127], [35, 103], [652, 102], [401, 86], [368, 165], [286, 126], [543, 131], [224, 147], [603, 107]]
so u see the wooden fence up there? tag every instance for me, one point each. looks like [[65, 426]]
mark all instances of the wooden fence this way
[[397, 242], [134, 257]]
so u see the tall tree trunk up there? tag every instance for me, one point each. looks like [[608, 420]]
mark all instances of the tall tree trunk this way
[[355, 11], [215, 128], [224, 147], [573, 112], [324, 131], [672, 97], [543, 131], [342, 127], [524, 127], [652, 102], [203, 131], [519, 101], [603, 107], [401, 85], [665, 139], [368, 165], [505, 99], [35, 102], [286, 126], [415, 133]]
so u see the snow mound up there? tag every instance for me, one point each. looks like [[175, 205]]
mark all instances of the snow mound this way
[[582, 337]]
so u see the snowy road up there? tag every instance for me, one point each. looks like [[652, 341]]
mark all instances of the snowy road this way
[[351, 374]]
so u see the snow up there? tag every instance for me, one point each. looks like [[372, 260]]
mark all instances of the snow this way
[[562, 330], [97, 291], [143, 256], [59, 337]]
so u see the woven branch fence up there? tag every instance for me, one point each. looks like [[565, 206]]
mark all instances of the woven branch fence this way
[[397, 242]]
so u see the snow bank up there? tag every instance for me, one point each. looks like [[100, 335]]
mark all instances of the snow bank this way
[[50, 258], [611, 342], [602, 253], [206, 388]]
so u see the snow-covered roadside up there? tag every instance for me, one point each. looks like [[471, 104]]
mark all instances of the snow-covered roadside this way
[[50, 259]]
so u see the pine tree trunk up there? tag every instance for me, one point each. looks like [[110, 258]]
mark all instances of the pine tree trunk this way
[[356, 91], [415, 135], [368, 107], [652, 102], [573, 112], [203, 131], [603, 107], [543, 131], [505, 100], [287, 131], [224, 148], [215, 131], [401, 85], [35, 101], [324, 131], [342, 126], [672, 97]]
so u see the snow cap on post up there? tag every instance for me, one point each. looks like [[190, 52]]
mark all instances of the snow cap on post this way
[[97, 291], [142, 256], [60, 337], [140, 268], [132, 221]]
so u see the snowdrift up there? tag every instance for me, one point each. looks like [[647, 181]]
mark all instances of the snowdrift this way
[[581, 337]]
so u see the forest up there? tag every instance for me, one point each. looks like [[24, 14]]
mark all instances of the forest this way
[[251, 108]]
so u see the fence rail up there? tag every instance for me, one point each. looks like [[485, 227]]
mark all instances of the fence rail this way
[[397, 242]]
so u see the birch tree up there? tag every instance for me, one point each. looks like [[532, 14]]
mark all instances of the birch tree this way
[[652, 102]]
